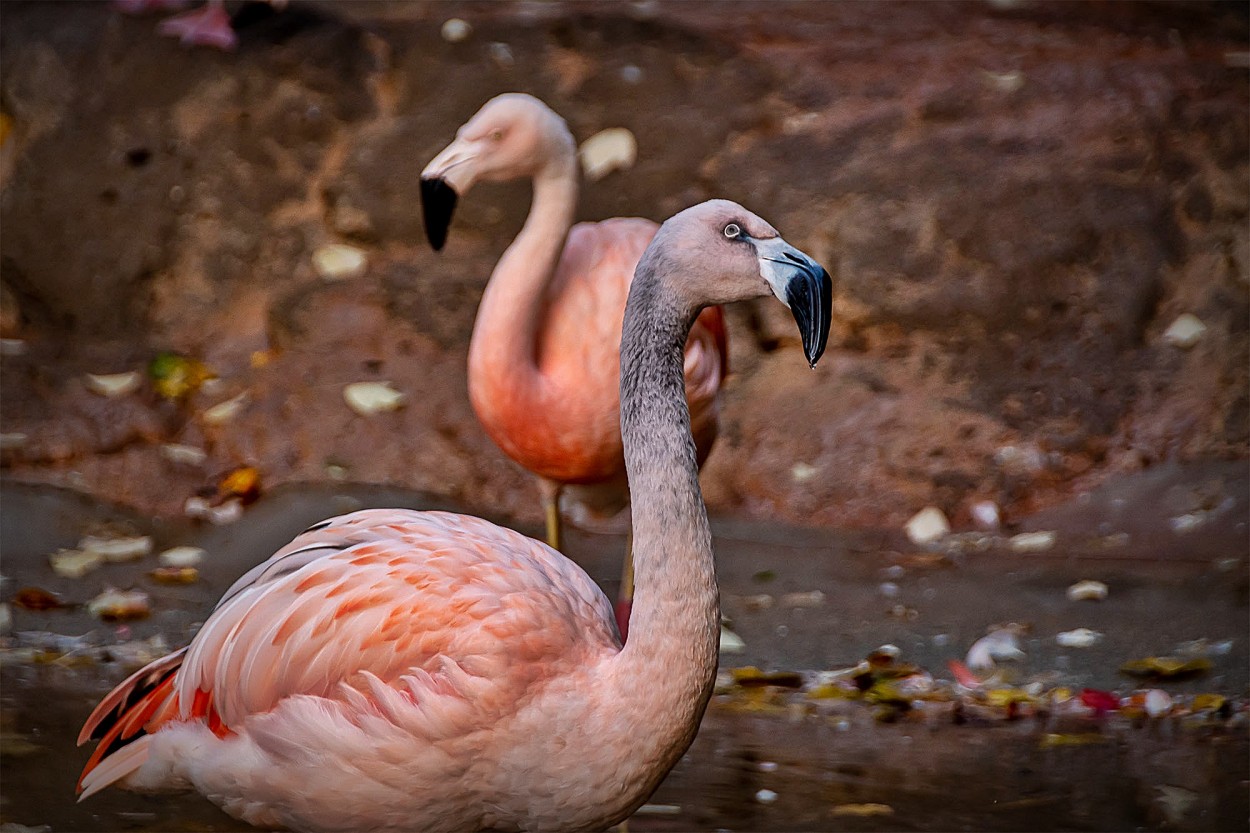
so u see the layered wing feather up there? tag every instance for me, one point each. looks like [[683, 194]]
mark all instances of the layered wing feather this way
[[438, 621]]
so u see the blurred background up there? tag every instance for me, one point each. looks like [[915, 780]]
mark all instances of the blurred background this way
[[1035, 215]]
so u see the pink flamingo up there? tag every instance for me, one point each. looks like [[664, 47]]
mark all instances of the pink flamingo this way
[[399, 670], [545, 354]]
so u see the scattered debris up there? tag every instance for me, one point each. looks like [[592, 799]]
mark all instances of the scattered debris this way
[[1004, 82], [607, 151], [114, 385], [1000, 644], [759, 601], [340, 262], [74, 563], [1079, 638], [1167, 668], [1175, 803], [812, 598], [218, 514], [366, 398], [1101, 702], [1186, 331], [183, 454], [1032, 541], [175, 575], [1157, 702], [115, 547], [803, 472], [730, 642], [927, 526], [36, 598], [175, 376], [223, 412], [120, 605], [181, 557], [1087, 590], [862, 811], [985, 515], [659, 810], [455, 30], [10, 440]]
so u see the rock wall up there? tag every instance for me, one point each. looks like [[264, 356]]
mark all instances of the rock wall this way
[[1016, 201]]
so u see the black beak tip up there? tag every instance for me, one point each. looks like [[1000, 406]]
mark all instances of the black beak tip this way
[[438, 204], [811, 302]]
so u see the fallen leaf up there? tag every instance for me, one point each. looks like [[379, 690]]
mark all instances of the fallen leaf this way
[[117, 548], [1053, 740], [367, 398], [339, 262], [862, 811], [181, 557], [1001, 644], [175, 575], [607, 151], [730, 642], [1032, 541], [175, 376], [36, 598], [1079, 638], [74, 563], [120, 605], [1168, 668], [223, 412], [114, 385], [750, 676], [1087, 590], [242, 483], [1100, 701]]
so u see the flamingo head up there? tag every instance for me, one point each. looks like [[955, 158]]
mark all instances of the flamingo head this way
[[513, 136], [729, 254]]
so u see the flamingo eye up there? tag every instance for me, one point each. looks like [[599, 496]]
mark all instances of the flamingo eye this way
[[496, 134], [732, 231]]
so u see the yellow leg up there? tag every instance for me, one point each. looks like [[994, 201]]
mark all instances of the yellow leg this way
[[551, 507]]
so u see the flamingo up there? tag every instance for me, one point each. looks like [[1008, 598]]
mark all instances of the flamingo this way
[[401, 670], [544, 357]]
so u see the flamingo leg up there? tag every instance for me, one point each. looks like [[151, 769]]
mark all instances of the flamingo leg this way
[[625, 599], [550, 490]]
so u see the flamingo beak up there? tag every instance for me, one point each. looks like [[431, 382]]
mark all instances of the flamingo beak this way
[[446, 177], [804, 286]]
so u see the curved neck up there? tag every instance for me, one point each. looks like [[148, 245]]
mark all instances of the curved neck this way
[[515, 300], [670, 658]]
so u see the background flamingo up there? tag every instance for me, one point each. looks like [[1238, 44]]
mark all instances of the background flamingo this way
[[545, 354], [398, 670]]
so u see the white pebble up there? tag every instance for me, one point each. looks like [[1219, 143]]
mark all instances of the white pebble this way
[[767, 766], [766, 796], [985, 515], [730, 642], [223, 412], [927, 525], [1158, 702], [1186, 331], [456, 30]]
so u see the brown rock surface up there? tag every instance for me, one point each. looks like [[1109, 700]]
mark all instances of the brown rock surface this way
[[1016, 200]]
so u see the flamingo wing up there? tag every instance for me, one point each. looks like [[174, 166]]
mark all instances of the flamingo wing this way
[[437, 621]]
